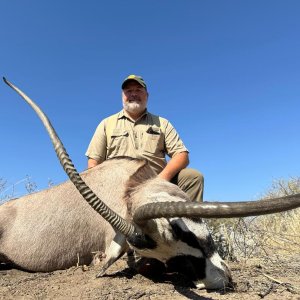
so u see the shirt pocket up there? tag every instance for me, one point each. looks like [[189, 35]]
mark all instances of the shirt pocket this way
[[154, 140], [118, 143]]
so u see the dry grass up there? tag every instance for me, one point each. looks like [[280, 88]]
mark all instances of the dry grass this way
[[260, 237], [281, 232], [263, 236]]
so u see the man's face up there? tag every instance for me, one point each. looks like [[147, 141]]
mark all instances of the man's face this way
[[134, 98]]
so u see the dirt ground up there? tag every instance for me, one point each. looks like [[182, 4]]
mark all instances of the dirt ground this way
[[256, 279]]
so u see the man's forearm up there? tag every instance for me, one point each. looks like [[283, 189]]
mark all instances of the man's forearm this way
[[92, 163], [176, 164]]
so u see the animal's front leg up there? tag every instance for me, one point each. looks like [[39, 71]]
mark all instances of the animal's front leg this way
[[116, 250]]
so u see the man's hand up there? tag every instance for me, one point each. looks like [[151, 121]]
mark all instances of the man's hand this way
[[176, 164]]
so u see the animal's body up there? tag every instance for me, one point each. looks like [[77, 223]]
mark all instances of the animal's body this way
[[47, 230], [51, 229]]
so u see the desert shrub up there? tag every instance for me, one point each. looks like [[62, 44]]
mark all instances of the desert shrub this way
[[262, 236], [2, 184], [3, 195], [281, 231], [9, 191]]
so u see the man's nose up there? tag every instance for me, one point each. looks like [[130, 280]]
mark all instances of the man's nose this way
[[134, 94]]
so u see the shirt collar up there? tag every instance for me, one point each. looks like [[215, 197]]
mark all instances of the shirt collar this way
[[123, 114]]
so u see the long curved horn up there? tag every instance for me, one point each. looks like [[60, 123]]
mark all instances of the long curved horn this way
[[109, 215], [214, 209]]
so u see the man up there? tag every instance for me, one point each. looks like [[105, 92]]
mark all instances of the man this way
[[136, 133]]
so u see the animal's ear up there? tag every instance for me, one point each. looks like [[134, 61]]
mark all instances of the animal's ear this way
[[141, 241]]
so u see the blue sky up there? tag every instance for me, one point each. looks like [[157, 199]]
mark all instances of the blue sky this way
[[225, 73]]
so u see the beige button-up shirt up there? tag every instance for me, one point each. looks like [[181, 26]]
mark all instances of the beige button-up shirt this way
[[150, 137]]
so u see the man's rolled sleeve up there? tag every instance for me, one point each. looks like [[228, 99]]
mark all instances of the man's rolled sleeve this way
[[173, 143], [98, 145]]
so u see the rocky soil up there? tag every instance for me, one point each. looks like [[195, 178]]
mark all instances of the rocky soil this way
[[277, 278]]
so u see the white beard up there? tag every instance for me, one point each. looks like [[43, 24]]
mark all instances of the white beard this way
[[134, 107]]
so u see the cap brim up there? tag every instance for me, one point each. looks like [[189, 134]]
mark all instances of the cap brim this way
[[133, 79]]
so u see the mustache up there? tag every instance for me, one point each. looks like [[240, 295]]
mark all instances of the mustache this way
[[134, 99]]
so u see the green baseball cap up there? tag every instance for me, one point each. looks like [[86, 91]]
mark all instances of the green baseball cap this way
[[136, 78]]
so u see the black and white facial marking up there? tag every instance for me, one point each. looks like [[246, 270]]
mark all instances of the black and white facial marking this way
[[190, 266], [141, 242], [184, 246], [195, 234], [205, 268]]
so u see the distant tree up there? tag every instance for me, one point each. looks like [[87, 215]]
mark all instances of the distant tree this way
[[30, 185], [8, 192], [2, 184], [50, 183], [283, 187]]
